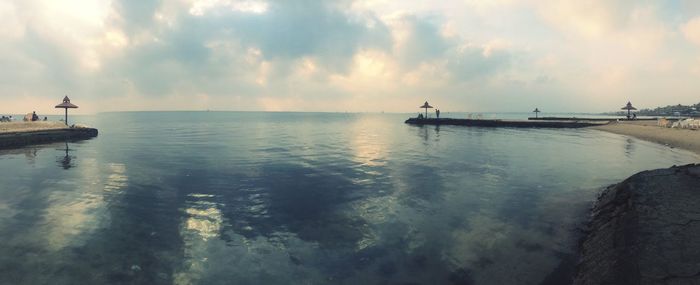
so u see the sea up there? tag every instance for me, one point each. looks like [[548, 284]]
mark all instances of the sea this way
[[306, 198]]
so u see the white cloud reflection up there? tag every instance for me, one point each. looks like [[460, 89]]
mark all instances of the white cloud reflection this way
[[72, 215], [203, 218]]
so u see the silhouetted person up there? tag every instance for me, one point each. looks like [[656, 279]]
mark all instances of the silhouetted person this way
[[34, 116], [46, 119], [437, 113], [634, 116]]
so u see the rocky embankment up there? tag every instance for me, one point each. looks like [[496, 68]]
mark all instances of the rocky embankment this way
[[645, 230]]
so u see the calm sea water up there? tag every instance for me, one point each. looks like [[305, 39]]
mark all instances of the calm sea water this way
[[302, 198]]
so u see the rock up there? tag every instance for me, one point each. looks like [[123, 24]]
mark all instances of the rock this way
[[135, 268], [295, 260], [461, 276], [645, 230]]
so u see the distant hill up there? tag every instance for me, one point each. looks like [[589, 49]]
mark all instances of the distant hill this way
[[670, 110]]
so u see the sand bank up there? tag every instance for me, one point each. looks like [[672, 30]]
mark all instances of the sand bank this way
[[648, 130]]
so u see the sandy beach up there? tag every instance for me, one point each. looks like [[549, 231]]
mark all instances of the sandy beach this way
[[648, 130], [14, 127]]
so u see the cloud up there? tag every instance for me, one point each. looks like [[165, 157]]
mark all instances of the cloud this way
[[421, 44], [229, 48], [135, 15], [340, 55], [470, 62], [419, 40], [294, 29], [691, 31]]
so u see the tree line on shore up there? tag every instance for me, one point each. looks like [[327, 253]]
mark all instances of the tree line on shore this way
[[670, 110]]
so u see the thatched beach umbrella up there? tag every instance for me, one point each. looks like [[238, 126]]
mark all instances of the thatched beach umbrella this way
[[66, 105], [536, 111], [629, 108], [426, 106]]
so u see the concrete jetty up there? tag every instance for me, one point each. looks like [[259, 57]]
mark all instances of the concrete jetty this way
[[13, 135], [505, 123]]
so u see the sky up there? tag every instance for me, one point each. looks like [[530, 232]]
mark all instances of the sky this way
[[348, 56]]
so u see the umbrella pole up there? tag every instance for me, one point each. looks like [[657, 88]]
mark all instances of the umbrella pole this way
[[66, 120], [426, 112]]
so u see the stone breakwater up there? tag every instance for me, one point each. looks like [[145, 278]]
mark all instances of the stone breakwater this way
[[645, 230], [23, 138]]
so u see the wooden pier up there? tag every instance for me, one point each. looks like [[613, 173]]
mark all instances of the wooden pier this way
[[508, 123]]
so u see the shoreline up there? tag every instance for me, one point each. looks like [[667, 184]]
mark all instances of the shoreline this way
[[648, 130], [642, 230]]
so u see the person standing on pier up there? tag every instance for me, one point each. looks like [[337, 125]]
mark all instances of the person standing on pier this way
[[437, 113]]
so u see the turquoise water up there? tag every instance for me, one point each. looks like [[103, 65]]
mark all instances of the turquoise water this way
[[305, 198]]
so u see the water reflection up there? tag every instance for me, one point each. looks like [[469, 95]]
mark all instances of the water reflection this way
[[117, 178], [29, 152], [203, 217], [66, 161], [202, 227], [426, 131], [629, 147], [349, 199], [77, 210]]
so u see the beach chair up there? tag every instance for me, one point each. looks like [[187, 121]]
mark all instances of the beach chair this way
[[694, 124], [686, 124]]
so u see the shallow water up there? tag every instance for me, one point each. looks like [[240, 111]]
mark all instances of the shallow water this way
[[304, 198]]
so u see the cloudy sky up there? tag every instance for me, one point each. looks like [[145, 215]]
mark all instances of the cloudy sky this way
[[344, 55]]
